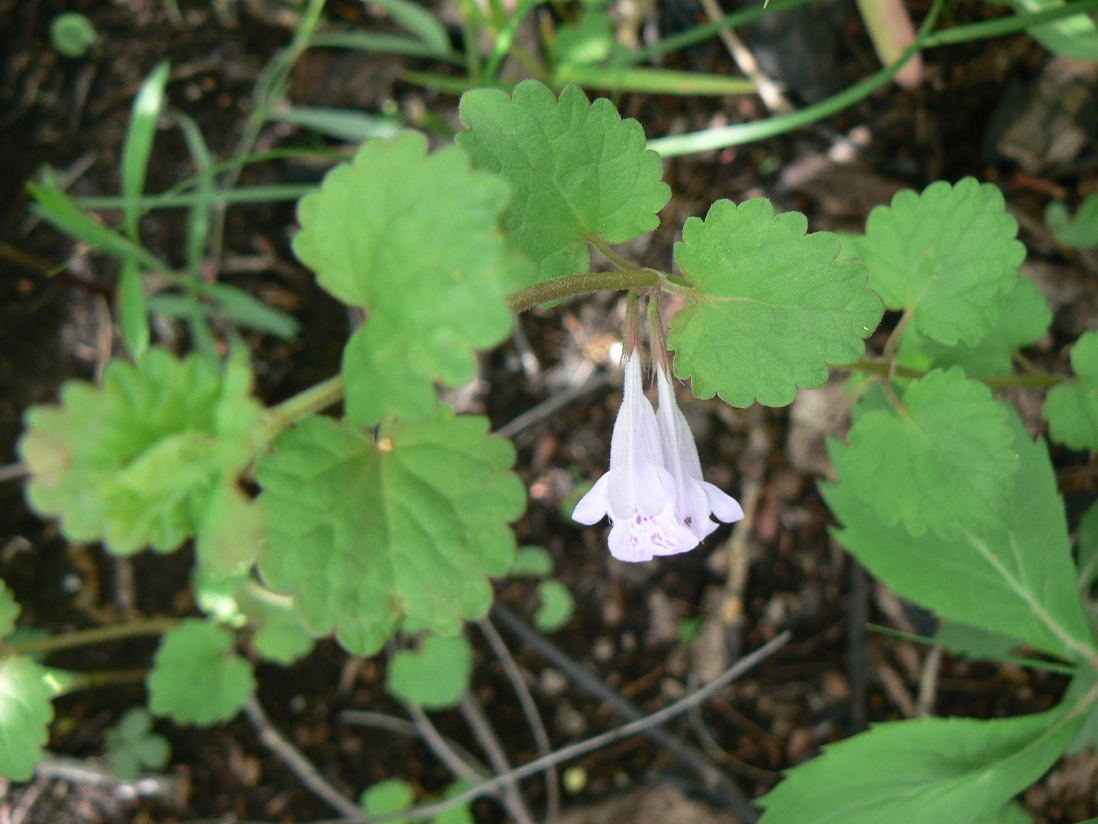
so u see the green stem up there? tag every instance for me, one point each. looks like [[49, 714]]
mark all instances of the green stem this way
[[740, 133], [1038, 380], [1002, 26], [315, 398], [559, 288], [97, 635], [104, 678]]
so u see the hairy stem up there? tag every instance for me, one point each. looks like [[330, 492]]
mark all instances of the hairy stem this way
[[1038, 380]]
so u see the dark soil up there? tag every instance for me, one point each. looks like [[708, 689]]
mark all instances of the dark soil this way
[[828, 683]]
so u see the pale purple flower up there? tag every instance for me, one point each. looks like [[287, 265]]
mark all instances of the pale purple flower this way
[[695, 499], [638, 493]]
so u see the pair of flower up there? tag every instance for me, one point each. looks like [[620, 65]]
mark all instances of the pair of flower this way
[[654, 494]]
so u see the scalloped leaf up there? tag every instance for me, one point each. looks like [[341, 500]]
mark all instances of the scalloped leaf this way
[[1014, 577], [134, 748], [26, 710], [137, 461], [371, 536], [415, 240], [1071, 409], [924, 771], [946, 463], [774, 306], [1025, 318], [196, 678], [434, 676], [579, 172], [556, 607], [949, 256]]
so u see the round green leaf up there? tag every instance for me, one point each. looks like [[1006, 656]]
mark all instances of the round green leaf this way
[[435, 676], [136, 462], [947, 463], [393, 795], [557, 606], [948, 256], [416, 241], [25, 714], [72, 34], [531, 562], [195, 678], [371, 536], [134, 748], [9, 611], [773, 308], [579, 172], [1071, 409]]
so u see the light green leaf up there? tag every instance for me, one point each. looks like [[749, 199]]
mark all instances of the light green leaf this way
[[461, 814], [1074, 36], [435, 676], [774, 306], [415, 240], [281, 637], [247, 310], [133, 311], [1025, 318], [137, 461], [923, 772], [579, 172], [973, 642], [948, 256], [556, 608], [590, 39], [531, 562], [1016, 576], [1013, 813], [1071, 409], [946, 463], [1088, 548], [1078, 231], [418, 20], [342, 124], [25, 714], [9, 611], [72, 34], [230, 531], [195, 678], [371, 536], [137, 145], [393, 795], [134, 748]]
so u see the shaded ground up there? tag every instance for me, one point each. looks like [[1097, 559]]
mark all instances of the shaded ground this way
[[830, 681]]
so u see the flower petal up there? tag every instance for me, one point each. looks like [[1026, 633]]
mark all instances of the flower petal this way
[[593, 506], [640, 537], [724, 506]]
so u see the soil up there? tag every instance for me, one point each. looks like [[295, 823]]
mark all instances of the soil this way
[[829, 682]]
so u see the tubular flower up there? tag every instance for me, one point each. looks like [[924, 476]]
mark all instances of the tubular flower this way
[[695, 499], [638, 493]]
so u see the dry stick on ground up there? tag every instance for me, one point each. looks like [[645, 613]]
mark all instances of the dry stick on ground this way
[[530, 710], [716, 782], [439, 746], [928, 683], [857, 638], [381, 721], [486, 737], [645, 724], [298, 764]]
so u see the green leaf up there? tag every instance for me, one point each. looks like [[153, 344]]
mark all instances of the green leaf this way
[[1025, 318], [72, 34], [25, 714], [133, 311], [579, 172], [435, 676], [137, 461], [973, 642], [281, 637], [9, 611], [247, 310], [371, 536], [1073, 36], [531, 562], [461, 814], [137, 145], [948, 256], [1016, 576], [1071, 409], [946, 463], [195, 678], [414, 240], [58, 209], [393, 795], [1013, 813], [923, 772], [1088, 548], [774, 306], [1078, 231], [418, 20], [590, 39], [342, 124], [134, 748], [556, 608]]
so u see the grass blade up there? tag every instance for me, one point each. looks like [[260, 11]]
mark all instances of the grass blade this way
[[137, 146]]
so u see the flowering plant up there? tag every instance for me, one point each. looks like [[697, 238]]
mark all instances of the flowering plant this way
[[393, 519]]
